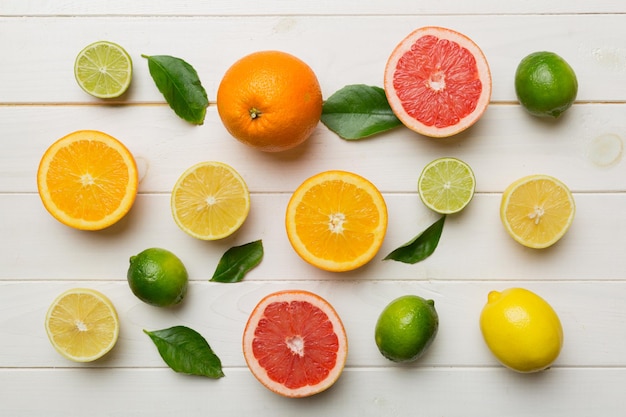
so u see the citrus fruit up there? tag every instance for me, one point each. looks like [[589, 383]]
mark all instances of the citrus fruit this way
[[545, 84], [521, 329], [210, 201], [295, 344], [537, 210], [157, 277], [437, 81], [406, 328], [336, 220], [87, 180], [446, 185], [270, 100], [82, 324], [103, 69]]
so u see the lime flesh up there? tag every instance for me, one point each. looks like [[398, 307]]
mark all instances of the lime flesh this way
[[446, 185], [103, 69]]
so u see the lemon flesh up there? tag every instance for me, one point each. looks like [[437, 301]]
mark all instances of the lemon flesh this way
[[521, 329], [82, 324], [103, 69], [446, 185]]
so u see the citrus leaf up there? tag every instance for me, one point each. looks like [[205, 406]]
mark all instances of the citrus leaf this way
[[179, 83], [186, 351], [237, 261], [358, 111], [421, 247]]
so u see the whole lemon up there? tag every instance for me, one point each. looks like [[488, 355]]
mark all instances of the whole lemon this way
[[157, 277], [521, 329], [545, 84], [406, 328]]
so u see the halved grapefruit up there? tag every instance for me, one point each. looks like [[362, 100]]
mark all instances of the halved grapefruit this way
[[295, 344], [437, 82]]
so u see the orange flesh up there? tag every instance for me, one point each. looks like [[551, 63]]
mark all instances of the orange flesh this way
[[96, 184], [295, 343], [437, 82]]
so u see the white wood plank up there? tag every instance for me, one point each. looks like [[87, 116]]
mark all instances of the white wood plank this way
[[429, 392], [591, 312], [592, 44], [504, 145], [474, 244], [324, 7]]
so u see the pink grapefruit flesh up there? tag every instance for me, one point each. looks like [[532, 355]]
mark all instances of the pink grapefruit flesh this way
[[295, 344], [437, 82]]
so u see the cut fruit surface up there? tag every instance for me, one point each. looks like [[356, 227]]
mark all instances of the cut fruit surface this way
[[336, 220], [437, 82], [82, 324], [537, 210], [295, 344], [446, 185], [210, 201], [87, 180], [103, 69]]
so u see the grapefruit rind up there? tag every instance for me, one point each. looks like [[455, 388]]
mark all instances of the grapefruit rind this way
[[261, 374], [482, 67]]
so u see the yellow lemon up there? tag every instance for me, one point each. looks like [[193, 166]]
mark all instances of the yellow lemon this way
[[521, 329]]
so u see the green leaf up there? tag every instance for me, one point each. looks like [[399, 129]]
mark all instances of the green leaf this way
[[179, 83], [237, 261], [358, 111], [421, 247], [186, 351]]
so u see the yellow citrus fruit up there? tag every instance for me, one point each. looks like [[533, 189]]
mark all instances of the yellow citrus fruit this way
[[210, 201], [82, 324], [157, 277], [336, 220], [406, 328], [437, 81], [270, 100], [103, 69], [87, 180], [295, 344], [446, 185], [537, 210], [521, 329]]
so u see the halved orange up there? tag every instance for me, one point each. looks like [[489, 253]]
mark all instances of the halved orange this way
[[87, 180], [336, 220], [295, 344]]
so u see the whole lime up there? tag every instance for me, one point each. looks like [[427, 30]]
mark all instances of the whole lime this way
[[545, 84], [157, 277], [521, 329], [406, 328]]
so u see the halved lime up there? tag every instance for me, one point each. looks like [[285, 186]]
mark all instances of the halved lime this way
[[103, 69], [446, 185]]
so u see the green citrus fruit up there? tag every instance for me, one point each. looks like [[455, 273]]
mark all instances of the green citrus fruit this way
[[521, 329], [446, 185], [545, 84], [157, 277], [103, 69], [406, 328]]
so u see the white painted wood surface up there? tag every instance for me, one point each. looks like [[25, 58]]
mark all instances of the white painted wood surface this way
[[583, 276]]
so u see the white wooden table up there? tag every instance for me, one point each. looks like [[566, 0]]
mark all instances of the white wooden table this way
[[583, 276]]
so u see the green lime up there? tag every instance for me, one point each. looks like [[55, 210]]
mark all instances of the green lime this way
[[446, 185], [103, 69], [545, 84], [406, 328], [158, 277]]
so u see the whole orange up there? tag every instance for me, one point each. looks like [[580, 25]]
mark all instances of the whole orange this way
[[270, 100]]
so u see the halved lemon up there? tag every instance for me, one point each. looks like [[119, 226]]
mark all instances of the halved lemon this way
[[82, 324], [210, 201], [103, 69], [336, 220], [446, 185], [537, 210]]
